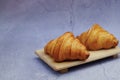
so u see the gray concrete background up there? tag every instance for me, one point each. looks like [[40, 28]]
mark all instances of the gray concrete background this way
[[26, 25]]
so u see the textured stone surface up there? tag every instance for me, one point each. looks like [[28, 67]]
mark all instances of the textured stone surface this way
[[26, 25]]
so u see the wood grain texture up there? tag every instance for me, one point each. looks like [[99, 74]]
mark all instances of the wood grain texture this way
[[94, 55]]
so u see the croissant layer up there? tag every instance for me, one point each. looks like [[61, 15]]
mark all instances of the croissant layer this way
[[66, 47]]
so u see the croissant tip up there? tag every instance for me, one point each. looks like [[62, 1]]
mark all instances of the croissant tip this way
[[68, 32], [116, 42], [87, 55], [96, 24]]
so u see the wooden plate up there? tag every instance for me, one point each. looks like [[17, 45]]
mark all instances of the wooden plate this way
[[63, 66]]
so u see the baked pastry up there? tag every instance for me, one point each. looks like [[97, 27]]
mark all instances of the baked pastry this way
[[97, 38], [66, 47]]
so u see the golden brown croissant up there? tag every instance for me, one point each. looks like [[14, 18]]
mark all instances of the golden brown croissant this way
[[97, 38], [66, 47]]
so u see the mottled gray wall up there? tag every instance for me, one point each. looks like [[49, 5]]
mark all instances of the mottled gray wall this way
[[67, 13]]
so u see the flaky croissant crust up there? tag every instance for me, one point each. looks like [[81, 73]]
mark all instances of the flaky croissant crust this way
[[97, 38], [66, 47]]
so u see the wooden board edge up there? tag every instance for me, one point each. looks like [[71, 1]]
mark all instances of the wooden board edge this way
[[53, 67], [63, 68]]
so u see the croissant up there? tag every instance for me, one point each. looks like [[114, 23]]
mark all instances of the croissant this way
[[97, 38], [66, 47]]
